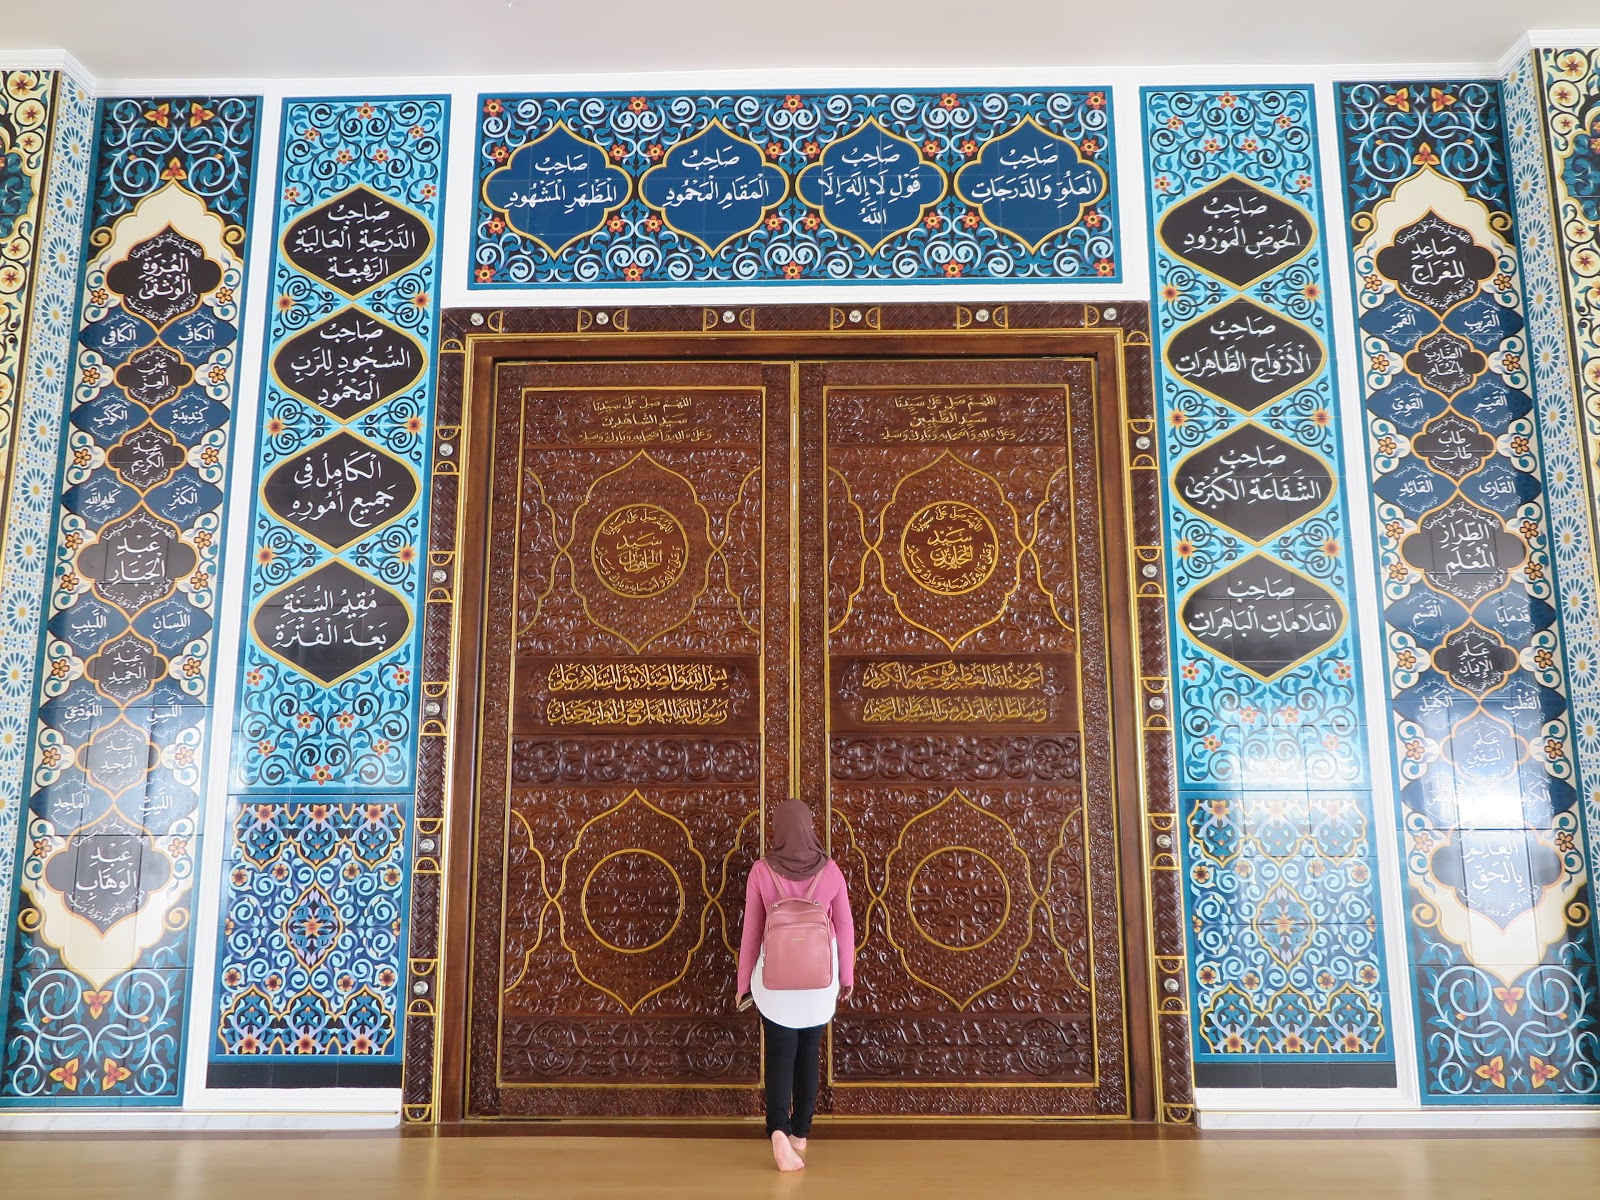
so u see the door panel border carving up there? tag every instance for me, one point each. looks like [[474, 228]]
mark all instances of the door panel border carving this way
[[474, 341]]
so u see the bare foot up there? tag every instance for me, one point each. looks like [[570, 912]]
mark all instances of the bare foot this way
[[799, 1144], [783, 1154]]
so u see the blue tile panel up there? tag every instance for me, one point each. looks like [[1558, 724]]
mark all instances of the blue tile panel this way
[[1552, 97], [804, 187], [1286, 951], [323, 779], [101, 949], [50, 126], [1494, 856]]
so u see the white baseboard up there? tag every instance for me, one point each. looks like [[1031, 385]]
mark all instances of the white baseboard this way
[[158, 1121], [1418, 1120]]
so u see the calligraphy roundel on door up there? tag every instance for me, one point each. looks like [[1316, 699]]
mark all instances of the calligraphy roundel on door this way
[[640, 551], [949, 549]]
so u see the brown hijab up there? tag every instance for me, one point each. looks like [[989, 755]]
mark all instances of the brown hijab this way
[[793, 850]]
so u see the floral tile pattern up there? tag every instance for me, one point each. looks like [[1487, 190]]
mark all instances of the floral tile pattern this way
[[1552, 102], [1287, 961], [102, 941], [1495, 862], [312, 946], [760, 187], [46, 126]]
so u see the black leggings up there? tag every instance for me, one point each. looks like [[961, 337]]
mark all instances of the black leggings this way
[[792, 1077]]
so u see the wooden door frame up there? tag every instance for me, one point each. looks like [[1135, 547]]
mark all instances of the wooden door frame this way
[[474, 342]]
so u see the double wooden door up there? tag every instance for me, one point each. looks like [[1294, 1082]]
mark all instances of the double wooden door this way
[[877, 584]]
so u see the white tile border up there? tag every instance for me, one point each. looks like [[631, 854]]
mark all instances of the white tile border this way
[[175, 1121], [1313, 1121]]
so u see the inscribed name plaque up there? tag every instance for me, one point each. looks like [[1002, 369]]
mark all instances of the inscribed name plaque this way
[[1236, 231], [1262, 616], [331, 623], [1244, 354], [1253, 482], [357, 240]]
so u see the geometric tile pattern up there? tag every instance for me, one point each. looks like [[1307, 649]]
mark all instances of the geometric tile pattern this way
[[803, 187], [329, 675], [1551, 100], [1285, 941], [48, 124], [103, 939], [1494, 852], [311, 948]]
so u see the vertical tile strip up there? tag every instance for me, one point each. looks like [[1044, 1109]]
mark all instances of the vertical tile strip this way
[[1286, 957], [48, 120], [312, 954], [1553, 128], [1496, 873], [102, 939]]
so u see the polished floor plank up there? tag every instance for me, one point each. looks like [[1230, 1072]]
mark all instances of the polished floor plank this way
[[1215, 1168]]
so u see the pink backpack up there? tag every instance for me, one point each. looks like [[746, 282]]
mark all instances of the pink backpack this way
[[797, 947]]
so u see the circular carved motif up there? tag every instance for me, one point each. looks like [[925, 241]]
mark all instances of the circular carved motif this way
[[639, 550], [949, 547], [632, 901], [958, 898]]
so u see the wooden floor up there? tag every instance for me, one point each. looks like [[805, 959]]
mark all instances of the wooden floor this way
[[393, 1168]]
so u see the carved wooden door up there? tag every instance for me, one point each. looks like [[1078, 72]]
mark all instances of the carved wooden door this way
[[710, 584]]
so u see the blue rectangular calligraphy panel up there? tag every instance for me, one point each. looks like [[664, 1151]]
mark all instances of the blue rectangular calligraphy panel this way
[[1495, 865], [766, 187], [1286, 955], [311, 956], [100, 967]]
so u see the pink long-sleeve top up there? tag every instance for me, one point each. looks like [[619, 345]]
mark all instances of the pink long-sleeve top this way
[[762, 891]]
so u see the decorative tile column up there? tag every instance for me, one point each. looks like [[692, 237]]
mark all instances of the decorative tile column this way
[[1495, 862], [46, 127], [1288, 976], [102, 940], [313, 941]]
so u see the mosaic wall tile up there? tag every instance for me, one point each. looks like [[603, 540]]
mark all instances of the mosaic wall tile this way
[[102, 941], [1494, 855], [761, 187], [1553, 128], [1287, 963], [329, 673], [47, 119]]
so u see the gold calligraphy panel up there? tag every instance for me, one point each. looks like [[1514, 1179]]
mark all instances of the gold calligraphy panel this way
[[632, 618], [968, 739]]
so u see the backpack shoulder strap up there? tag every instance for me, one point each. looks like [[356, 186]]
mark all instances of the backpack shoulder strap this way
[[816, 879], [777, 882]]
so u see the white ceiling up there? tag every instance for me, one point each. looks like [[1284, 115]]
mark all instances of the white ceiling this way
[[134, 39]]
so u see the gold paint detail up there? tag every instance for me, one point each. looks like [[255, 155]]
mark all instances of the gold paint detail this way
[[949, 547], [639, 550]]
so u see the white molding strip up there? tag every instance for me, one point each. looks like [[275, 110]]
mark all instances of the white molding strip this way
[[174, 1121], [1414, 1120]]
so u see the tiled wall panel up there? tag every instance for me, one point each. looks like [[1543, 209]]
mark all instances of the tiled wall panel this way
[[1495, 864], [102, 941], [1553, 132], [1287, 966], [312, 947], [47, 122], [803, 187]]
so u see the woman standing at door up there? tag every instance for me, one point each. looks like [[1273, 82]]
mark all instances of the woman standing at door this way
[[795, 867]]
